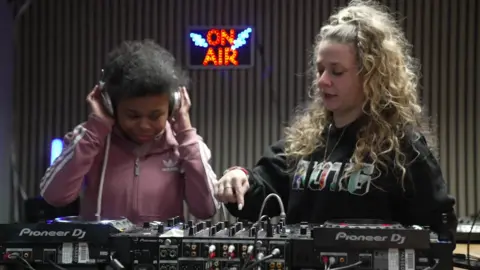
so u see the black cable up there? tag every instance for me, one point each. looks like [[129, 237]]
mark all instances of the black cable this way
[[23, 9], [254, 251], [17, 257], [431, 267], [114, 263], [469, 238], [261, 217], [56, 266], [274, 253], [259, 262], [14, 166]]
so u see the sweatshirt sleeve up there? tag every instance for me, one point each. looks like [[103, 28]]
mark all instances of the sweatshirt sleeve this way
[[270, 175], [199, 176], [62, 181], [427, 200]]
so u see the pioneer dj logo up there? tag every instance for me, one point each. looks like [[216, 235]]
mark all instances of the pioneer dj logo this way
[[394, 238], [78, 233]]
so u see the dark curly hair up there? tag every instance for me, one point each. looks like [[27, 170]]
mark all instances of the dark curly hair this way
[[141, 68]]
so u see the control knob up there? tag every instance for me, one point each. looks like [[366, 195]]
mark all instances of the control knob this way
[[303, 229], [160, 228], [232, 231], [220, 226], [192, 230], [238, 226], [264, 225], [253, 231], [269, 229]]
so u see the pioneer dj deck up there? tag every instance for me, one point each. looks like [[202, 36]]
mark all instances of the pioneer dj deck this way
[[65, 241], [174, 245]]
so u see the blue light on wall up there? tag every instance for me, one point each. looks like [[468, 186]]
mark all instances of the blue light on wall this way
[[56, 148], [198, 40], [241, 38], [221, 47]]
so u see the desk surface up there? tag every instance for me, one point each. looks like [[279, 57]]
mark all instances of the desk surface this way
[[462, 249], [474, 249]]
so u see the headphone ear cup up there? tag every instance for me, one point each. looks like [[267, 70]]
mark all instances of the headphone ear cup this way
[[107, 103], [175, 101]]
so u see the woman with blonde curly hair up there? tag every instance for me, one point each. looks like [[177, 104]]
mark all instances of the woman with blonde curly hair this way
[[359, 150]]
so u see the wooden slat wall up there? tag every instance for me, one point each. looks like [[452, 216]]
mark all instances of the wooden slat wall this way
[[63, 43]]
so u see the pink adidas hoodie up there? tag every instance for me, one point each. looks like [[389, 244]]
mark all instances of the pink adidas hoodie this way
[[142, 183]]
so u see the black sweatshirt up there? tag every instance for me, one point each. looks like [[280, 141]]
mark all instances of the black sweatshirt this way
[[316, 191]]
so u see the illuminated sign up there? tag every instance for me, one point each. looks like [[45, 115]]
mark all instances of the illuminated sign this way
[[220, 47]]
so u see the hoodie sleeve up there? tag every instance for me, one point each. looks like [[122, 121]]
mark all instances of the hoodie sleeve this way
[[62, 181], [270, 175], [427, 199], [199, 175]]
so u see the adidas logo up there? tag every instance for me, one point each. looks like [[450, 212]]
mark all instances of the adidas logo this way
[[169, 165]]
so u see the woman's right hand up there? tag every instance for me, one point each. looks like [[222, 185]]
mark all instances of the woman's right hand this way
[[232, 187], [95, 102]]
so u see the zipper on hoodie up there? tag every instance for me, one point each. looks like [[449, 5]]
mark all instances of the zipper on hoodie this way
[[136, 173], [137, 167]]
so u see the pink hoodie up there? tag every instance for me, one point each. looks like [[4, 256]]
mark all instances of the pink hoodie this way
[[143, 183]]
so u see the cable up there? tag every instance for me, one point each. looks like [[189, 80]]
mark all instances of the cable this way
[[433, 266], [275, 252], [280, 203], [469, 238], [56, 266], [23, 9], [261, 217], [346, 266], [254, 251], [460, 261], [18, 188], [116, 264], [16, 256], [360, 262]]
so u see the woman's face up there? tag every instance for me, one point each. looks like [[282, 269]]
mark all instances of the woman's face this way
[[338, 79], [143, 118]]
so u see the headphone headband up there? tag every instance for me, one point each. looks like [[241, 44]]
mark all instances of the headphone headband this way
[[173, 106]]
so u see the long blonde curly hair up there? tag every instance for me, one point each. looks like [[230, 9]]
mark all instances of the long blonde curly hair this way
[[390, 78]]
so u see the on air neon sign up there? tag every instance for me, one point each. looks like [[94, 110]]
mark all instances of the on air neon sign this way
[[221, 47]]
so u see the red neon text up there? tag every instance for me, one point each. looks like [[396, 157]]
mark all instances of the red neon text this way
[[219, 51]]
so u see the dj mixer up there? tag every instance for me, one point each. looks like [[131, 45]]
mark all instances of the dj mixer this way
[[467, 230], [174, 244]]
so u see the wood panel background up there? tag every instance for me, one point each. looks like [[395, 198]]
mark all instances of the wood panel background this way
[[62, 45]]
